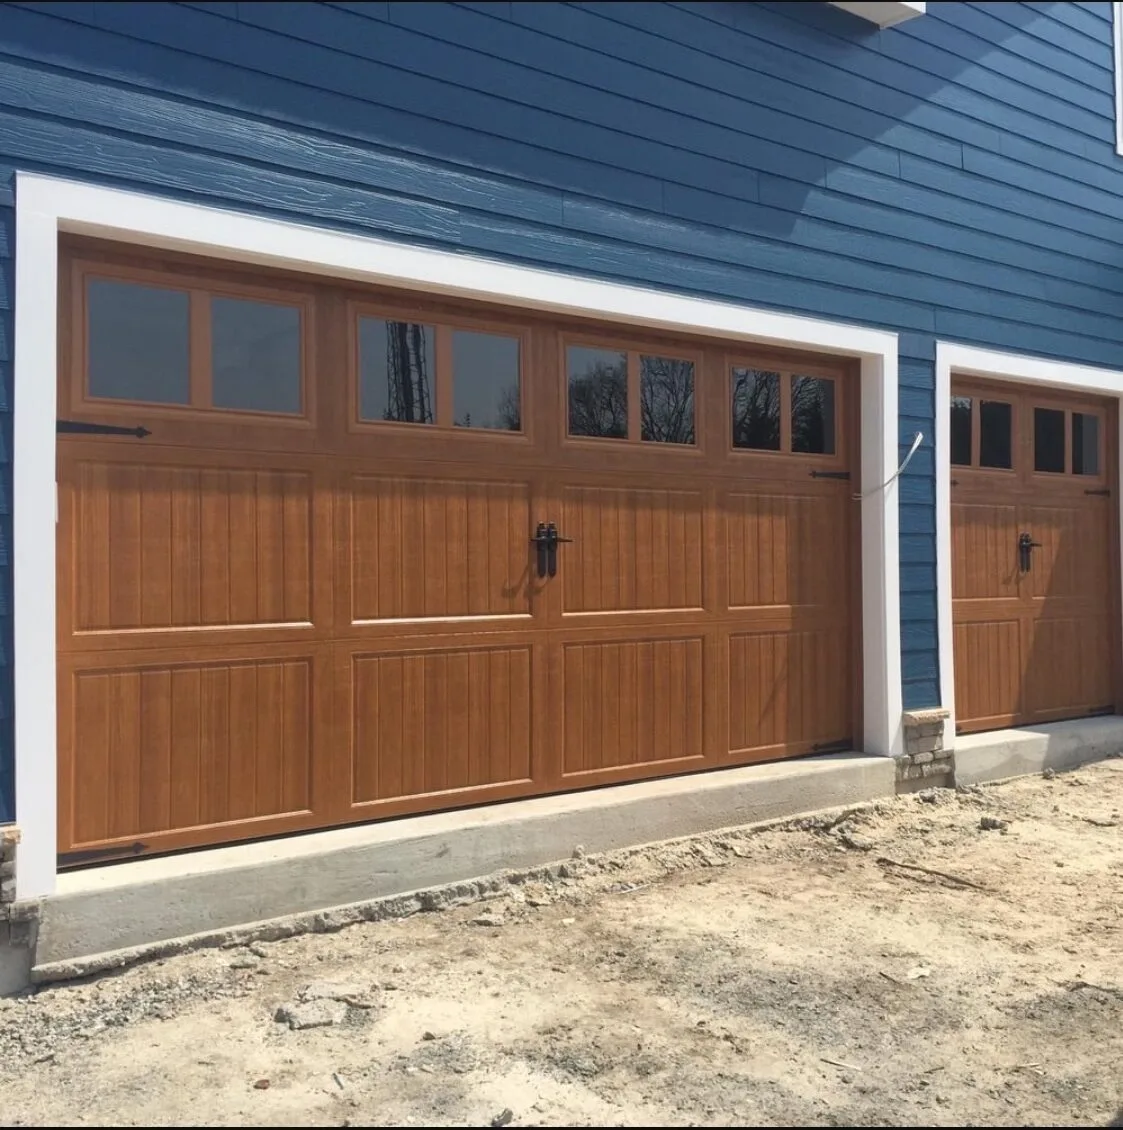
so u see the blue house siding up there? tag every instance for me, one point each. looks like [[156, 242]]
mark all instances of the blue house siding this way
[[953, 177]]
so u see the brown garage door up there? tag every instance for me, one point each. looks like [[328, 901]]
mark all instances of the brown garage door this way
[[306, 592], [1034, 595]]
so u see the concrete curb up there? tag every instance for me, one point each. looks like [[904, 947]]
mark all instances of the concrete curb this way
[[431, 899], [102, 919], [1001, 754]]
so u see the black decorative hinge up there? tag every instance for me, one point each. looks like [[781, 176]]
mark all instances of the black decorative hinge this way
[[833, 747], [1105, 491], [96, 855], [85, 427], [830, 474]]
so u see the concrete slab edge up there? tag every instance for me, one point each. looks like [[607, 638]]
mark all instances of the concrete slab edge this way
[[1003, 755], [429, 899]]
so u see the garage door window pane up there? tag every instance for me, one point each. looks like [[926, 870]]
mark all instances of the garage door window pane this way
[[666, 392], [961, 431], [255, 355], [756, 409], [1085, 444], [598, 392], [138, 342], [397, 372], [1048, 439], [813, 415], [996, 423], [485, 381]]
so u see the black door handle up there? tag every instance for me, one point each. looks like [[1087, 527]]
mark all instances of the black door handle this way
[[1026, 546], [546, 539], [542, 542]]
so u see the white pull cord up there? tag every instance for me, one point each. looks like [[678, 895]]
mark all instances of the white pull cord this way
[[896, 474]]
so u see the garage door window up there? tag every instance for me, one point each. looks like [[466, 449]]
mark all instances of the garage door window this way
[[787, 412], [255, 355], [996, 428], [1085, 444], [756, 409], [666, 399], [812, 415], [189, 347], [598, 392], [397, 371], [1049, 440], [138, 342], [485, 381], [630, 395]]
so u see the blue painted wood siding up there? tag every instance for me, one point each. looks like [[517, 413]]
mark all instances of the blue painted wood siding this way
[[952, 177]]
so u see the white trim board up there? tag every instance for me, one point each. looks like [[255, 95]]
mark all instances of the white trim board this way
[[968, 360], [884, 14], [46, 206]]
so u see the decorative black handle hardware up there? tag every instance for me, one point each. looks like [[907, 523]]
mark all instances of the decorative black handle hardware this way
[[1101, 492], [542, 542], [830, 474], [85, 427], [1026, 546], [546, 539]]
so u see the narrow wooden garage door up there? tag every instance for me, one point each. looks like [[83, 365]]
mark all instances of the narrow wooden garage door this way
[[329, 555], [1034, 551]]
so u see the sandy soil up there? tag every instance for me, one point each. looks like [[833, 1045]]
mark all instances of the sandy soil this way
[[787, 977]]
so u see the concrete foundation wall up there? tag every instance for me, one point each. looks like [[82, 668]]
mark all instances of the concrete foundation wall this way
[[148, 901]]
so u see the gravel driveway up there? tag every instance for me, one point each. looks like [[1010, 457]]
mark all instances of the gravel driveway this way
[[947, 958]]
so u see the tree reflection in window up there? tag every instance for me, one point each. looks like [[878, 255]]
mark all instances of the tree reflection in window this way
[[598, 392], [666, 392], [813, 415], [756, 409], [397, 367]]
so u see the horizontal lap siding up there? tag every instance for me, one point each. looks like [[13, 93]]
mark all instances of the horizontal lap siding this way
[[955, 176]]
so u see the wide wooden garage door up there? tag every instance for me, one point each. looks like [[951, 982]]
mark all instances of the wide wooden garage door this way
[[330, 555], [1034, 556]]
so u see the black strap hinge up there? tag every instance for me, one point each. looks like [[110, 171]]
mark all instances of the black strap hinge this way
[[1103, 491], [85, 427], [830, 474], [96, 855]]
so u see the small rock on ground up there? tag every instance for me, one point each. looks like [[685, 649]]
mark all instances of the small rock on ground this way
[[492, 920], [354, 995], [993, 824], [311, 1014]]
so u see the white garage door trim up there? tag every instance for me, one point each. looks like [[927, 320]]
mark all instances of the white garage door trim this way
[[46, 206], [971, 361]]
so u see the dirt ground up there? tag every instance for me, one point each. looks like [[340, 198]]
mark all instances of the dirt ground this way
[[794, 976]]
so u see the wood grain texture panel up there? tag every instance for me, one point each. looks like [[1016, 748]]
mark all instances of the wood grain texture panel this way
[[787, 549], [789, 689], [159, 547], [424, 548], [1068, 670], [984, 551], [431, 722], [633, 549], [989, 669], [631, 702], [1073, 560], [172, 747]]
